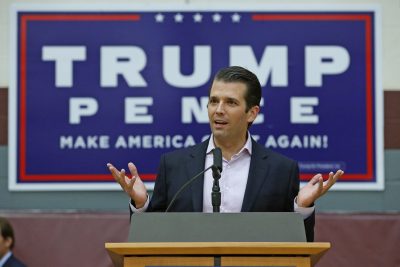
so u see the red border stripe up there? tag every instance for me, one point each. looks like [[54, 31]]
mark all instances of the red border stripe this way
[[79, 177], [22, 134], [81, 17], [293, 17], [368, 65], [351, 176]]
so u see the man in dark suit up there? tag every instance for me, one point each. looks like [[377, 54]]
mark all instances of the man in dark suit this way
[[254, 178], [7, 241]]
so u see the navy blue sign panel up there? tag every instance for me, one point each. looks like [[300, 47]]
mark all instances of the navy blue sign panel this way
[[95, 87]]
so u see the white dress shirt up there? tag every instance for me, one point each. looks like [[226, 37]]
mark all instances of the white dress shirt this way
[[233, 179]]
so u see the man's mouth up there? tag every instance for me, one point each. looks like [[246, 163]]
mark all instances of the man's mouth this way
[[220, 122]]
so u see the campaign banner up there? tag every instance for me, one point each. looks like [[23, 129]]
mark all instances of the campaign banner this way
[[91, 85]]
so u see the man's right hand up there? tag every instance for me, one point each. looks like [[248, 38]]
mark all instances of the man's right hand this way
[[134, 186]]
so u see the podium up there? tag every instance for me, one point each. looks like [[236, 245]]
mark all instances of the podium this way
[[223, 239]]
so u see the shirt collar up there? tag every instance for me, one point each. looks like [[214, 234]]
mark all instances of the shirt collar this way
[[5, 258], [247, 146]]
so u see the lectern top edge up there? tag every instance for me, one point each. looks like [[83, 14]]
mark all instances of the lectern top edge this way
[[217, 227]]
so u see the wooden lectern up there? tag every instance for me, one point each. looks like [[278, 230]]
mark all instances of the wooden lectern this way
[[223, 239]]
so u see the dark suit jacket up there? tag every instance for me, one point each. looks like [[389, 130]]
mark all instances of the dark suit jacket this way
[[272, 185], [13, 262]]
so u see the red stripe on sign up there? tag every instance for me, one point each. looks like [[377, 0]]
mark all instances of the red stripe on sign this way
[[291, 17], [78, 177], [368, 66], [352, 176], [22, 81], [81, 17]]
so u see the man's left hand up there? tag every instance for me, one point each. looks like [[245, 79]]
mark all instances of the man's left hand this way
[[315, 188]]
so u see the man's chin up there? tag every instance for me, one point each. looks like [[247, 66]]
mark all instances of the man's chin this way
[[218, 133]]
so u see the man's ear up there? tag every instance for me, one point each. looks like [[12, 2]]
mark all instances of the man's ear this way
[[252, 113]]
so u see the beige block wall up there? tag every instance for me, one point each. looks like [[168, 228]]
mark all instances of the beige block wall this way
[[390, 28]]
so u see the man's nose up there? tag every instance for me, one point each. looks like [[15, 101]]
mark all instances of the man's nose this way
[[220, 107]]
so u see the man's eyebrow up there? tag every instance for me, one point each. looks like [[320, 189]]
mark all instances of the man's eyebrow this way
[[225, 98], [232, 99]]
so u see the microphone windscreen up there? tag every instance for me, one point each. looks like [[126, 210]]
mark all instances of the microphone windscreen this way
[[217, 154]]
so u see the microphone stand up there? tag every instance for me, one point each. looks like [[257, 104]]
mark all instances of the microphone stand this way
[[216, 192], [185, 185]]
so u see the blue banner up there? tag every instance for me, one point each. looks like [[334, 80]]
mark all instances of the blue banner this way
[[95, 87]]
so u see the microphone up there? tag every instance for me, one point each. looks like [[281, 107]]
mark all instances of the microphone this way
[[216, 172], [217, 166]]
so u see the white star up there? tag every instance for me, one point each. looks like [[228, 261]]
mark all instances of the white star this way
[[159, 17], [197, 17], [178, 18], [217, 17], [236, 18]]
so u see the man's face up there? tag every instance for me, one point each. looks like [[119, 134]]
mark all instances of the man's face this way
[[5, 244], [227, 111]]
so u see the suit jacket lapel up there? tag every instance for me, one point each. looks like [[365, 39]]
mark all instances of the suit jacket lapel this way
[[257, 175], [194, 167]]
